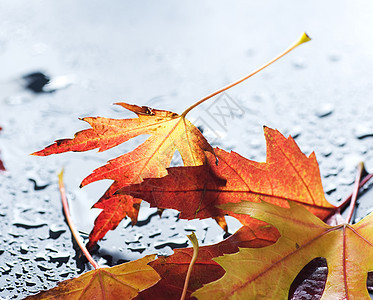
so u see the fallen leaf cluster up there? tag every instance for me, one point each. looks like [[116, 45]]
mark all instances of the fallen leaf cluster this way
[[286, 249], [280, 202]]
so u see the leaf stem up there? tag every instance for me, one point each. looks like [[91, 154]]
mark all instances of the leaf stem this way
[[345, 202], [303, 39], [192, 237], [355, 192], [71, 224]]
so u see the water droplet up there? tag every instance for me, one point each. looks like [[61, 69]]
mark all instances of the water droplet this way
[[137, 247], [28, 224], [329, 189], [155, 232], [5, 269], [43, 267], [30, 283], [145, 215], [324, 110], [24, 249], [327, 151], [346, 180], [40, 257], [135, 238], [180, 242], [362, 131], [55, 231], [339, 141], [65, 274], [189, 227], [35, 81], [295, 131], [51, 248], [60, 257], [37, 186]]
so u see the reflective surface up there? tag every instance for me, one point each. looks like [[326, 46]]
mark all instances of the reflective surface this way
[[62, 61]]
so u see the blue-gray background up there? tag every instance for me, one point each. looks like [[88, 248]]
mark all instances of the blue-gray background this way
[[167, 54]]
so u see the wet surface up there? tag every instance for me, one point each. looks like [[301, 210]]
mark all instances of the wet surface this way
[[167, 57]]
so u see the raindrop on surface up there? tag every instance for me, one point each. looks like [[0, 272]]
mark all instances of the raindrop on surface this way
[[51, 248], [189, 227], [155, 232], [137, 247], [339, 141], [296, 131], [55, 231], [346, 180], [60, 257], [362, 131], [35, 81], [28, 224], [30, 283], [326, 151], [65, 274], [43, 267], [180, 242], [40, 257], [38, 186], [24, 249], [330, 189], [135, 238], [145, 215], [5, 269], [324, 110]]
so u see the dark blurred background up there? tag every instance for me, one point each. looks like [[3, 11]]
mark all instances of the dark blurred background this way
[[63, 60]]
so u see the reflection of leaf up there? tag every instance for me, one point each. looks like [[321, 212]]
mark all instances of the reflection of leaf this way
[[267, 273], [287, 174], [124, 281], [2, 168], [169, 132], [173, 268]]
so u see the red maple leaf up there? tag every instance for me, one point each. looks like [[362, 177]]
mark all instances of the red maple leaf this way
[[287, 175]]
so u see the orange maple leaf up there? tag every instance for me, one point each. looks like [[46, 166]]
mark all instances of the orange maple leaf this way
[[169, 132], [287, 175], [268, 273], [123, 281]]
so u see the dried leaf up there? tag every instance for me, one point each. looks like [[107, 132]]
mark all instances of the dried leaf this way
[[269, 272], [123, 281]]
